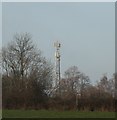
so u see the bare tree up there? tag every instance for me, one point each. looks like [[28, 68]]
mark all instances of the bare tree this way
[[72, 75], [76, 80], [107, 85], [72, 87], [25, 70]]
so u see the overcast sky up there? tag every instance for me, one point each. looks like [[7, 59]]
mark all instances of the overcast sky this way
[[86, 32]]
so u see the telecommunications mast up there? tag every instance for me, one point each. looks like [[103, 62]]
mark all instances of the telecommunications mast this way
[[57, 46]]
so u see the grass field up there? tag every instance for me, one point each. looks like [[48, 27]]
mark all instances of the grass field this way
[[55, 114], [0, 113]]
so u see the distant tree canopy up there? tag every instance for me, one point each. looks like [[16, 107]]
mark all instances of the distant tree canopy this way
[[26, 73]]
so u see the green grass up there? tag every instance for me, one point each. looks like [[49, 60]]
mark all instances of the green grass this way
[[0, 113], [55, 114]]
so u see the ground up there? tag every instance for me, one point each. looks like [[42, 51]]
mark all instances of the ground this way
[[55, 114]]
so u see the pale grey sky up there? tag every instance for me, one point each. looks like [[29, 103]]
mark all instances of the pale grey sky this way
[[85, 30], [58, 0]]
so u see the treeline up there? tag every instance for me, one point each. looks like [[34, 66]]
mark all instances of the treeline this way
[[76, 92], [27, 82]]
